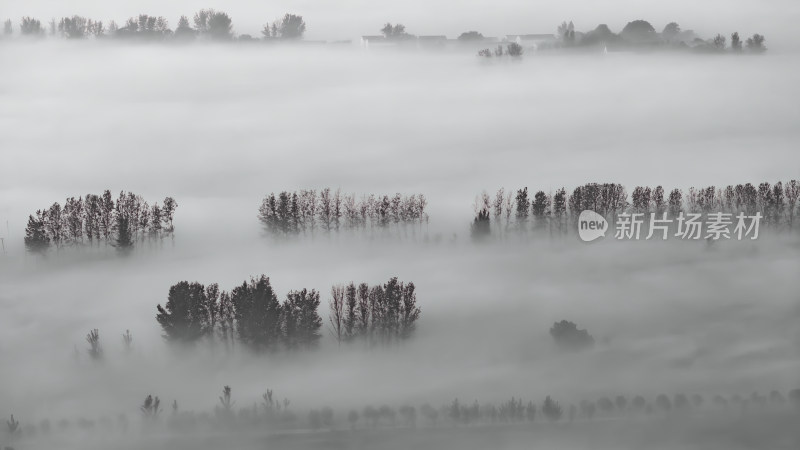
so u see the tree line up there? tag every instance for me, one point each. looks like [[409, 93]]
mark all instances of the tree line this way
[[271, 411], [642, 33], [251, 314], [205, 24], [518, 212], [308, 211], [100, 220]]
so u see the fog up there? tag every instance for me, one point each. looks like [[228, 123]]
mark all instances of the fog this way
[[218, 127]]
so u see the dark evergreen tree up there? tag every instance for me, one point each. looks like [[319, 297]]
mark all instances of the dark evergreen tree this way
[[301, 319], [350, 311], [409, 311], [551, 410], [36, 239], [124, 240], [186, 315], [523, 206], [481, 227], [257, 313]]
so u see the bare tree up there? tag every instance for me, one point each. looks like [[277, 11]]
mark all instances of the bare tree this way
[[336, 317]]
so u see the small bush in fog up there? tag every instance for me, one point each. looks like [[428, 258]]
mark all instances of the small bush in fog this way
[[568, 336], [127, 341], [225, 400], [514, 49], [12, 426], [95, 350], [151, 407]]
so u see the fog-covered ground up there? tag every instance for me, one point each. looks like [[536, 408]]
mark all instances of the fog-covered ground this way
[[217, 127]]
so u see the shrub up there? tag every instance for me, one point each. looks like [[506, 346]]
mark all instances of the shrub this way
[[567, 336]]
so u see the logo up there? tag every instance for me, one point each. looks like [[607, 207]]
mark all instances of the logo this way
[[591, 226]]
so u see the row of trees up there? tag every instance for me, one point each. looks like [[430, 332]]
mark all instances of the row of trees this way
[[206, 24], [252, 314], [640, 32], [304, 212], [98, 219], [555, 211], [378, 314]]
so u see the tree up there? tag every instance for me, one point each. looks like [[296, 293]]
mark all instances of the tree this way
[[523, 206], [124, 239], [719, 42], [8, 27], [127, 341], [336, 311], [151, 407], [480, 228], [30, 27], [792, 191], [292, 27], [567, 336], [73, 27], [566, 32], [671, 31], [470, 36], [257, 313], [409, 311], [540, 205], [736, 42], [514, 49], [350, 311], [756, 43], [217, 25], [551, 410], [168, 214], [301, 320], [186, 315], [184, 30], [675, 203], [36, 240], [395, 32], [95, 350], [639, 31], [226, 319], [663, 403]]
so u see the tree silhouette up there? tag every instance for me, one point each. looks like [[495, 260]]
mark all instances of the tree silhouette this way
[[291, 27], [185, 317], [257, 313], [36, 239], [551, 410], [567, 336]]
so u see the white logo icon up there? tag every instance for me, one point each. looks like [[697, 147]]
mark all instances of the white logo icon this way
[[591, 226]]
